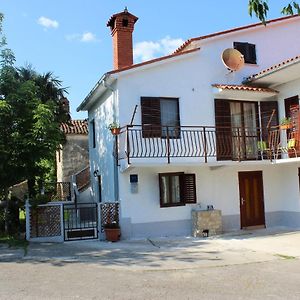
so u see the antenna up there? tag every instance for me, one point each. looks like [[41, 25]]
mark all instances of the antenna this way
[[233, 59]]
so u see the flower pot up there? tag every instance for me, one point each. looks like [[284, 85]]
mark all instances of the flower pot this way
[[115, 131], [112, 234], [286, 126]]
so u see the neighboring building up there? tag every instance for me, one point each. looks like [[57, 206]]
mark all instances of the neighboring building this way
[[202, 135], [74, 153]]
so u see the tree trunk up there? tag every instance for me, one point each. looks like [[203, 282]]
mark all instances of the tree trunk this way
[[6, 211], [31, 189]]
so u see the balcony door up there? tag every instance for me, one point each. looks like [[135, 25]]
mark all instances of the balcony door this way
[[236, 129], [244, 130]]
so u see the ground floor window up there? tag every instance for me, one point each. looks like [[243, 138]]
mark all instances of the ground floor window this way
[[177, 189]]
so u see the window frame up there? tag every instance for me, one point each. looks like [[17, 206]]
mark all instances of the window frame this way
[[155, 129], [182, 187]]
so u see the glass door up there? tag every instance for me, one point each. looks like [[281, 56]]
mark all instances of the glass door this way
[[244, 130]]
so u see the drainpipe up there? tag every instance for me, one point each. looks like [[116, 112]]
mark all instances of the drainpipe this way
[[116, 174]]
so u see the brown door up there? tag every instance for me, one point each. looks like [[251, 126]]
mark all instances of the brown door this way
[[251, 199]]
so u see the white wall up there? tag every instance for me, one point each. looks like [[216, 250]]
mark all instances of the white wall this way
[[217, 186], [101, 157], [190, 76]]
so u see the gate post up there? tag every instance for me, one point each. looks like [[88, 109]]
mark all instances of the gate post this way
[[27, 215], [100, 234], [62, 225]]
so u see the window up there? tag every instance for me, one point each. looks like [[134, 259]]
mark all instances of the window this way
[[160, 117], [125, 22], [93, 133], [177, 189], [248, 50]]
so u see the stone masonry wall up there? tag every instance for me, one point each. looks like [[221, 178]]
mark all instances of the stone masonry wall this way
[[206, 219]]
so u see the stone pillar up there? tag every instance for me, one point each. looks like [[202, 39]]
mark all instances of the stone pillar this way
[[206, 222]]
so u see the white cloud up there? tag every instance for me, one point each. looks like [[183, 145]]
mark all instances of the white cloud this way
[[47, 23], [148, 49], [86, 37]]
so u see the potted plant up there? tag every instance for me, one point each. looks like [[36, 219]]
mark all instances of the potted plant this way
[[114, 128], [286, 123], [112, 231]]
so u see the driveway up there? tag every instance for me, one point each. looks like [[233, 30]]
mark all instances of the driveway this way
[[169, 253], [245, 265]]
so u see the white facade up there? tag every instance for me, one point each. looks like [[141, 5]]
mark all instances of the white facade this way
[[189, 77]]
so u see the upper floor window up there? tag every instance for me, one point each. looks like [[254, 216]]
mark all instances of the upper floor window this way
[[93, 133], [248, 50], [160, 117]]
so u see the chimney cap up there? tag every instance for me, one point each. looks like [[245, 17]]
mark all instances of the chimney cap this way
[[124, 13]]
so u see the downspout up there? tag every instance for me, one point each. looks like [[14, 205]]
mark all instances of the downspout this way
[[116, 174]]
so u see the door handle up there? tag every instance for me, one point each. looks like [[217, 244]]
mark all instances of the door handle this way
[[243, 201]]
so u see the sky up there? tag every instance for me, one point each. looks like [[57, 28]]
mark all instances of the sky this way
[[70, 37]]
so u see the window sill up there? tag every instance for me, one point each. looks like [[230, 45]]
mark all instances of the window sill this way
[[172, 205]]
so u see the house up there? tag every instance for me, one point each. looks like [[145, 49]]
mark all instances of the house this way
[[73, 155], [196, 134]]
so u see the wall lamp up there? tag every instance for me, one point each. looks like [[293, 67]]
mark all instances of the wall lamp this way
[[96, 173]]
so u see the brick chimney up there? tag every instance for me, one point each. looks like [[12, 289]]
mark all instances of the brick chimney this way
[[122, 26]]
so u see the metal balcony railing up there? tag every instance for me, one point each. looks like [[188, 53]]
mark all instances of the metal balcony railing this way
[[206, 142]]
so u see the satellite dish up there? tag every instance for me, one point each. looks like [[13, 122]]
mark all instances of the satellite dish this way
[[233, 59]]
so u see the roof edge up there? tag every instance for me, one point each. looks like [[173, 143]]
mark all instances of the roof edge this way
[[273, 69], [243, 88], [189, 41], [86, 100], [153, 61]]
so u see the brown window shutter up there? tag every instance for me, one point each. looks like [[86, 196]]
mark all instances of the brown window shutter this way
[[266, 110], [188, 188], [248, 50], [251, 55], [223, 129], [289, 103], [151, 120], [241, 47]]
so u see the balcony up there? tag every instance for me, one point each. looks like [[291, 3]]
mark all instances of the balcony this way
[[205, 144]]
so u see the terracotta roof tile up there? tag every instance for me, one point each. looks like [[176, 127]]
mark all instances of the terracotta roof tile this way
[[189, 41], [243, 88], [274, 67], [75, 127]]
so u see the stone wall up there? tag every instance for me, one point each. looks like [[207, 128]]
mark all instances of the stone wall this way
[[203, 220], [74, 157]]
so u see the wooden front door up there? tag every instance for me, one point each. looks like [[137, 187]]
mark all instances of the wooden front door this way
[[251, 199]]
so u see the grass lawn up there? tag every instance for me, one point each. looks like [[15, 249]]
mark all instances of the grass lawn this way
[[13, 242]]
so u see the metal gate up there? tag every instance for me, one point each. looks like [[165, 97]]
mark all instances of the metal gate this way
[[80, 221]]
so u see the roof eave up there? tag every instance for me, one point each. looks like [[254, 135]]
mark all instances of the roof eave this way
[[257, 77], [90, 98]]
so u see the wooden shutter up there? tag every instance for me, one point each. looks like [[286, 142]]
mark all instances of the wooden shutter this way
[[251, 54], [266, 110], [93, 130], [242, 47], [151, 120], [248, 50], [188, 188], [289, 103], [223, 130]]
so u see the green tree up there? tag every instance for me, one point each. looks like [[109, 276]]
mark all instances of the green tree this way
[[260, 8], [30, 115]]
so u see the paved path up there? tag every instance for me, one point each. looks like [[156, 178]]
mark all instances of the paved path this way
[[159, 254], [247, 265]]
